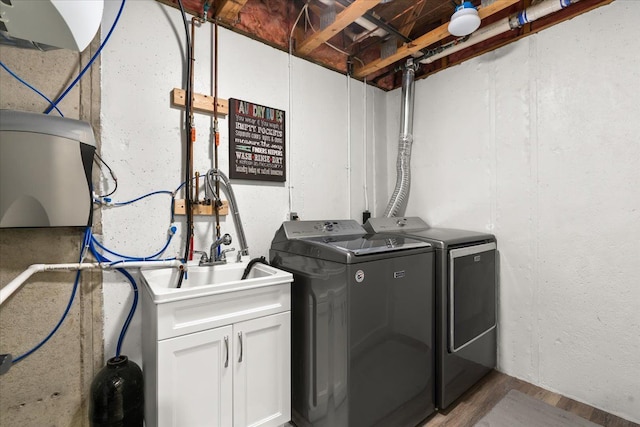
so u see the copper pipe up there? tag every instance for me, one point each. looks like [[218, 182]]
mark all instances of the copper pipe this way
[[192, 136], [215, 121], [197, 201]]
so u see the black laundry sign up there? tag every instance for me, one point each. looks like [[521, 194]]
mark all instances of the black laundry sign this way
[[256, 142]]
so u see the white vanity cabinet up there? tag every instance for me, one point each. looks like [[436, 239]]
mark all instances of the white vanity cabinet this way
[[262, 371], [220, 360], [194, 380]]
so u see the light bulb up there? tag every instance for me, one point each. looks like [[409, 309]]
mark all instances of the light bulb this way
[[464, 21]]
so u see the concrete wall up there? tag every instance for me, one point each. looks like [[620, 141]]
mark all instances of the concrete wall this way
[[538, 143], [49, 387]]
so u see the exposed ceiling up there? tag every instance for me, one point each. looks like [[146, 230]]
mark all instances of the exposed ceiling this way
[[372, 39]]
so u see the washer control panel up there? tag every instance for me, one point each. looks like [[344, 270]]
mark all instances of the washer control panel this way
[[306, 229]]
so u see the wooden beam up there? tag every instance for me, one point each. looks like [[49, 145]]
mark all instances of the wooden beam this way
[[428, 39], [343, 19], [229, 9]]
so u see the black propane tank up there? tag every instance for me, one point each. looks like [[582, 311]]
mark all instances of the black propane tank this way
[[117, 395]]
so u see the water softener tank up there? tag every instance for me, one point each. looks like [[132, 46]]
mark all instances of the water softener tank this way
[[45, 170]]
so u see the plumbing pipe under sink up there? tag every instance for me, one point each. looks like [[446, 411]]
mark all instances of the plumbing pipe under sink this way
[[16, 283]]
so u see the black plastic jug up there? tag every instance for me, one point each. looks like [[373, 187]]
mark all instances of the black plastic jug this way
[[117, 395]]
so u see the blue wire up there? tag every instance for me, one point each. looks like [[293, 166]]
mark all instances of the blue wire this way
[[130, 258], [125, 261], [30, 87], [142, 197], [183, 184], [127, 322], [87, 232], [93, 58]]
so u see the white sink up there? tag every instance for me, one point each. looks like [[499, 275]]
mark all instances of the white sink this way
[[200, 281]]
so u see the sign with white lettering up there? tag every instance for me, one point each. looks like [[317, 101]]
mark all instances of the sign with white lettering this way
[[256, 142]]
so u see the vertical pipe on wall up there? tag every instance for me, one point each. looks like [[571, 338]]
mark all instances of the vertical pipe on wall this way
[[364, 148], [288, 122], [374, 154], [216, 133], [188, 182], [348, 145]]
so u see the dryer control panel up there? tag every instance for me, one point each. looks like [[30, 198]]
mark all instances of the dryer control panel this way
[[395, 224], [306, 229]]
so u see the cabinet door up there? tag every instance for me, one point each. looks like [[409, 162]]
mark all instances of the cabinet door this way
[[262, 371], [195, 380]]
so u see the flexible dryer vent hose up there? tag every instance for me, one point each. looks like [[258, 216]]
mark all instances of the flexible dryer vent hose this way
[[398, 200]]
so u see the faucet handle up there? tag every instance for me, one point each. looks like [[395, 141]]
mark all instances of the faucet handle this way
[[223, 254], [203, 256]]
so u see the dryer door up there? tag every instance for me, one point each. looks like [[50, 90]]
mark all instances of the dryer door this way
[[472, 294]]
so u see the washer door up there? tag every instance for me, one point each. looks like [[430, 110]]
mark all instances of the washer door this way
[[472, 294]]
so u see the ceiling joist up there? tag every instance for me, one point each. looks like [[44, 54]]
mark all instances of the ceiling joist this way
[[426, 40], [343, 19]]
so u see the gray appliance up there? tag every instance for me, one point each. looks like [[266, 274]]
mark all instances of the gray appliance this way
[[362, 332], [465, 304], [45, 170]]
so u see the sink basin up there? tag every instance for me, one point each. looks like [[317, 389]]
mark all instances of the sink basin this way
[[200, 281]]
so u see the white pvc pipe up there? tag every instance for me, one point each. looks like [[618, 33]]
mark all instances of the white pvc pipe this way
[[542, 9], [530, 14], [484, 33], [16, 283]]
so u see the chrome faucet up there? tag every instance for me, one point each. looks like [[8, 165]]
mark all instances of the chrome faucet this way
[[214, 258]]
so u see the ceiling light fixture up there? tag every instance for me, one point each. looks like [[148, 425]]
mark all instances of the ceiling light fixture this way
[[465, 20]]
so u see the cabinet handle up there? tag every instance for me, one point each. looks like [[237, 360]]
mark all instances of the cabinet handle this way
[[240, 336], [226, 345]]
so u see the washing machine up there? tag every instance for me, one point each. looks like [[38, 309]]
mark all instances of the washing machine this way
[[362, 333], [465, 304]]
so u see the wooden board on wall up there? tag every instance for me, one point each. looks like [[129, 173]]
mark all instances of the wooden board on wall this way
[[201, 103]]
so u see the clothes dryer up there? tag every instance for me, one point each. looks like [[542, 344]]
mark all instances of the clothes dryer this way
[[362, 332], [465, 288]]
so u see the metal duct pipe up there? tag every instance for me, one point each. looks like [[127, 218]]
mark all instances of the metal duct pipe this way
[[397, 203]]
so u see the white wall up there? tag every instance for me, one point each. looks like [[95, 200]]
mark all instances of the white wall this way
[[142, 138], [538, 142]]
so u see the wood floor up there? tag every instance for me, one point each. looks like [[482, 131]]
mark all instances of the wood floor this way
[[478, 401]]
